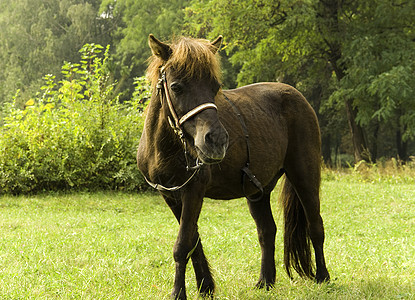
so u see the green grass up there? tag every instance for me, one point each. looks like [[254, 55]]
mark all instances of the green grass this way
[[119, 246]]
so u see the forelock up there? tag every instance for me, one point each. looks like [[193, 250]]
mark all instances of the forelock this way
[[191, 58]]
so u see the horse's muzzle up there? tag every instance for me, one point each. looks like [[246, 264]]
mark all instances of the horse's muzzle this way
[[212, 145]]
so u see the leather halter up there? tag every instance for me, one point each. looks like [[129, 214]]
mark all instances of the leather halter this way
[[177, 127]]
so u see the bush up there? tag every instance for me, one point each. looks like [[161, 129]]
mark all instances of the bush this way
[[75, 134]]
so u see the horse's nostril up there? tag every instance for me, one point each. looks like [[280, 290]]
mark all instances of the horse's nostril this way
[[216, 140], [209, 138]]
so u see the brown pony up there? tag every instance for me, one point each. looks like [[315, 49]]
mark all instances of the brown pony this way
[[201, 141]]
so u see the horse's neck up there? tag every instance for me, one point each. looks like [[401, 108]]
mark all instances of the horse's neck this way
[[155, 117], [160, 143]]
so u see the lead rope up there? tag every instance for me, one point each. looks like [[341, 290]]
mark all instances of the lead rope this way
[[245, 170], [162, 188]]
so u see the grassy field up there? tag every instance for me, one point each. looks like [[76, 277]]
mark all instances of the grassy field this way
[[119, 246]]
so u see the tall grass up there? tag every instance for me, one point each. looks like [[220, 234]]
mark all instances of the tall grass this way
[[383, 171], [119, 246]]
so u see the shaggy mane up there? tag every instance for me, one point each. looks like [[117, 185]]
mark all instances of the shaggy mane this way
[[191, 58]]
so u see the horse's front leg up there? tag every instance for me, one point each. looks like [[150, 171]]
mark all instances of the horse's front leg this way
[[205, 282], [187, 239]]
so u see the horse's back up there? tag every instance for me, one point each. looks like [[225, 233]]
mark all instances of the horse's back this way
[[270, 105], [272, 98]]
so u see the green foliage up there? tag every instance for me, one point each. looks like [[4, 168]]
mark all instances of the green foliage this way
[[335, 52], [381, 64], [259, 34], [163, 18], [367, 46], [75, 134], [142, 93], [36, 36]]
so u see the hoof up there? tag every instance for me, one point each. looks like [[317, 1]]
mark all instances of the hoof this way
[[207, 289], [178, 296], [322, 278], [264, 284], [207, 293]]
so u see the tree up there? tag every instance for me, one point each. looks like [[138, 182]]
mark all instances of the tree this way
[[38, 36], [310, 43], [380, 61], [345, 56], [163, 18]]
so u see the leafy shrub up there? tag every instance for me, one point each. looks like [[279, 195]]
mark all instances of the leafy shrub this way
[[75, 134]]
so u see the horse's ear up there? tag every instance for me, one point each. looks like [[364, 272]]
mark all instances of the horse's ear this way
[[217, 43], [158, 48]]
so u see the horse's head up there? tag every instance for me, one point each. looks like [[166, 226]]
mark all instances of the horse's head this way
[[188, 73]]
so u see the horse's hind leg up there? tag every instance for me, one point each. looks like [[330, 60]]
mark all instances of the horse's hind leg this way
[[204, 279], [262, 214]]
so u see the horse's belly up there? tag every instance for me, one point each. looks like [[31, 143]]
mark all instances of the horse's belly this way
[[265, 162]]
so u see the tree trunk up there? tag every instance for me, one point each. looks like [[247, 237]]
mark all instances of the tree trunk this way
[[401, 146], [361, 151], [374, 149], [329, 11], [326, 149], [315, 100]]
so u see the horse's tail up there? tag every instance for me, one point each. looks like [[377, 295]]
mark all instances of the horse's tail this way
[[297, 251]]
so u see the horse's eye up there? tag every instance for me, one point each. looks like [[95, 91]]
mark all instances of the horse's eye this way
[[176, 87]]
